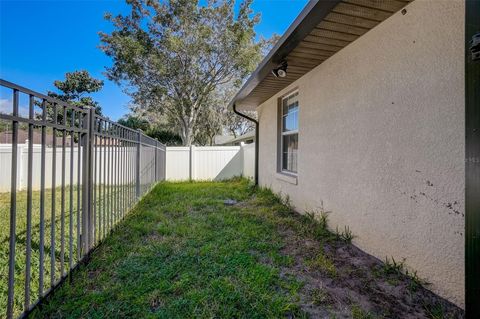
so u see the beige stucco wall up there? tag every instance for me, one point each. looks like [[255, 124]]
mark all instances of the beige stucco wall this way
[[381, 142]]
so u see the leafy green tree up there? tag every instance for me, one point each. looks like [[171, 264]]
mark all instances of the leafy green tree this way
[[167, 137], [173, 55], [75, 87], [135, 122], [209, 125], [153, 130]]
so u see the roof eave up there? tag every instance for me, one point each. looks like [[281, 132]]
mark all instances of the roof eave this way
[[314, 12]]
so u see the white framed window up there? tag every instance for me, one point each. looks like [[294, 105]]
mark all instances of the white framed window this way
[[289, 133]]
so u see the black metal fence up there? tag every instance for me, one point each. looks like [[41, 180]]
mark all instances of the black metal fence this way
[[89, 173]]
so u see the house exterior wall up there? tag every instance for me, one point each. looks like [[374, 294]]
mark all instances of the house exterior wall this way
[[381, 142]]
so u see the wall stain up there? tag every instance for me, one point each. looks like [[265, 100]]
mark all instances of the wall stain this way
[[453, 207]]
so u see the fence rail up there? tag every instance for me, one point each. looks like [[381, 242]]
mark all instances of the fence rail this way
[[97, 170]]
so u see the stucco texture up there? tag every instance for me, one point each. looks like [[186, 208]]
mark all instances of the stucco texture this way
[[381, 142]]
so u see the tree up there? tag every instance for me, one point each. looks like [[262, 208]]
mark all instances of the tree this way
[[172, 55], [153, 130], [135, 122], [232, 123], [210, 124], [167, 137], [237, 125], [74, 88]]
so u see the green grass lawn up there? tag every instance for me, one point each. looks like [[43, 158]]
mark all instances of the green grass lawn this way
[[20, 256], [182, 253]]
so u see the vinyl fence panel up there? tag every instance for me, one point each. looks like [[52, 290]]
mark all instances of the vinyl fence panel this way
[[210, 162], [249, 160], [148, 161]]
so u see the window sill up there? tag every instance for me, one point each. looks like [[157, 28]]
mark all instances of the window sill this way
[[289, 178]]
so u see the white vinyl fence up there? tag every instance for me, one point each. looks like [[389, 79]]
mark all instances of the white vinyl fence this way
[[128, 155], [183, 163], [210, 162], [22, 159]]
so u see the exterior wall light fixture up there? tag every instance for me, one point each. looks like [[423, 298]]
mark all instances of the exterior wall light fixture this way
[[281, 70]]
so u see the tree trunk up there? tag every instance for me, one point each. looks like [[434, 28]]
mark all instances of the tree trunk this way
[[187, 136], [186, 133], [189, 139]]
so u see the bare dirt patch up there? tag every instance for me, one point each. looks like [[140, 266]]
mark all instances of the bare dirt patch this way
[[342, 281], [359, 286]]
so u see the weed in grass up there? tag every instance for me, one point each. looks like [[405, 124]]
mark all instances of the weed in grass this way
[[319, 217], [436, 311], [281, 260], [320, 297], [338, 234], [265, 198], [415, 281], [308, 225], [310, 216], [359, 313], [305, 224], [346, 235], [323, 221], [291, 283], [323, 264], [295, 312], [398, 268], [393, 267], [155, 300]]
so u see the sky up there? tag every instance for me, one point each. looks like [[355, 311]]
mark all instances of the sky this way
[[42, 40]]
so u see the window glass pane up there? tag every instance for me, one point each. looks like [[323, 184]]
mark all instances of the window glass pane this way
[[290, 113], [290, 122], [289, 103], [289, 156], [284, 161], [293, 106]]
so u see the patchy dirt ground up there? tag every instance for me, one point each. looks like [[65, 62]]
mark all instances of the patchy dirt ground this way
[[359, 286], [341, 281]]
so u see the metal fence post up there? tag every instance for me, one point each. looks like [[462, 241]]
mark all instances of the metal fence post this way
[[13, 211], [90, 185], [86, 161], [137, 167]]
